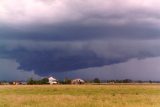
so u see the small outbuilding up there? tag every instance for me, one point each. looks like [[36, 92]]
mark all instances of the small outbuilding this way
[[16, 83], [78, 81], [52, 80]]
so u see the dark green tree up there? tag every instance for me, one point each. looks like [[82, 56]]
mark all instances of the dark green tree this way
[[67, 81], [96, 80], [31, 81], [44, 81]]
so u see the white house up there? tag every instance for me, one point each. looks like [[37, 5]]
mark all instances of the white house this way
[[77, 81], [52, 80]]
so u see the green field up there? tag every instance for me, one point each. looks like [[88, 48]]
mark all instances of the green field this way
[[80, 96]]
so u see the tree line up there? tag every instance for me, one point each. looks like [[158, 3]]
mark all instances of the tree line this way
[[31, 81]]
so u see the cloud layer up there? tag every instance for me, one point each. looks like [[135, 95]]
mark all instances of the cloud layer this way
[[47, 36], [63, 11], [146, 69], [70, 20], [8, 71], [47, 57]]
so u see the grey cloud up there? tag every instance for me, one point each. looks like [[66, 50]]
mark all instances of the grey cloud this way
[[78, 33], [144, 69], [26, 12], [80, 20], [67, 35], [69, 56], [8, 71]]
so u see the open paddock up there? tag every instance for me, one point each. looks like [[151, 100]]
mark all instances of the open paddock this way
[[119, 95]]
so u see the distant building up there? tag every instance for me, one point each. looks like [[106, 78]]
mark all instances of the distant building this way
[[52, 80], [23, 83], [78, 81], [5, 83], [16, 83]]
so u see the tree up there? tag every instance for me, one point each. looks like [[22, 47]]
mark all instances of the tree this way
[[150, 81], [127, 81], [31, 81], [67, 81], [96, 80], [44, 81]]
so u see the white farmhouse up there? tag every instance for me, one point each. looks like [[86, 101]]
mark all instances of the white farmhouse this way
[[52, 80]]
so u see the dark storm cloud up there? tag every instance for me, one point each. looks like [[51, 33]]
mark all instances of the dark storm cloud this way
[[79, 20], [71, 32], [66, 35], [70, 56], [44, 62]]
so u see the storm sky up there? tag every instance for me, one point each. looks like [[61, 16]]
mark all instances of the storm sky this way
[[108, 39]]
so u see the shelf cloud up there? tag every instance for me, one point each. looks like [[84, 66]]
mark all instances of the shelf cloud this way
[[60, 36]]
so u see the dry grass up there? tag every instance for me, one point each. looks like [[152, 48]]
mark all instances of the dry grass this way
[[80, 96]]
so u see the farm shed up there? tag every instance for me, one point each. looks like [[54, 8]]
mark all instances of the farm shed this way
[[77, 81]]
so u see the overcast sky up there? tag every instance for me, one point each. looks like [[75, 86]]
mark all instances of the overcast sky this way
[[108, 39]]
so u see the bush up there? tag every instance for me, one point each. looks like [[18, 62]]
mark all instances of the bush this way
[[96, 80], [31, 81], [37, 82]]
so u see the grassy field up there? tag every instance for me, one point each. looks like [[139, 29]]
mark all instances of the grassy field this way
[[80, 96]]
